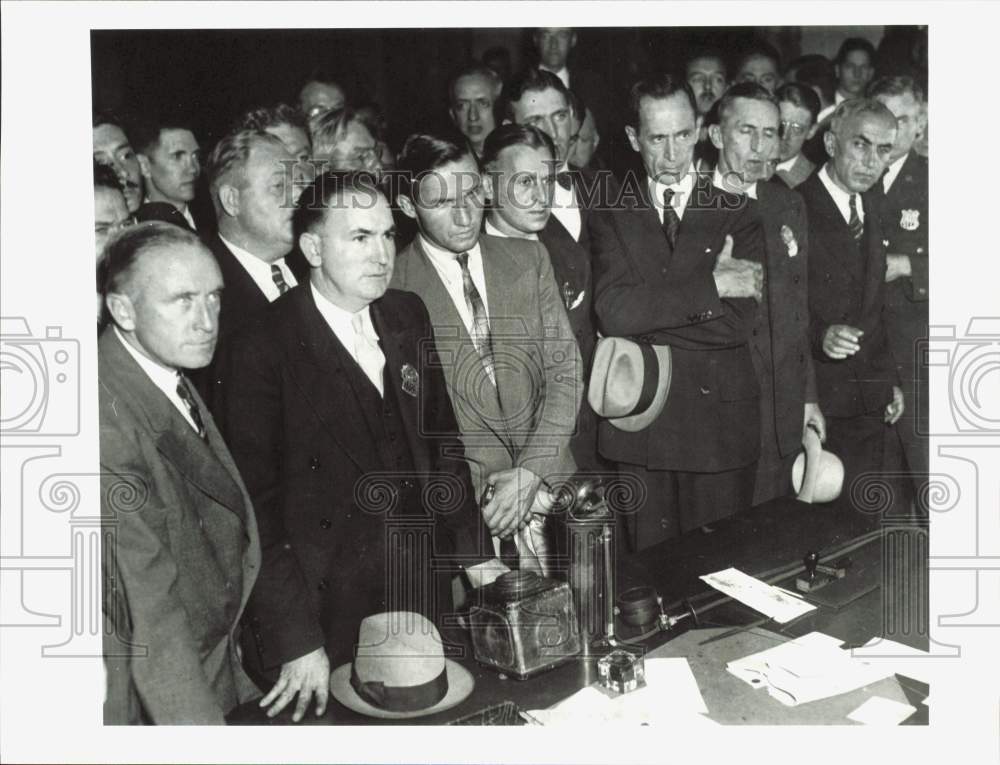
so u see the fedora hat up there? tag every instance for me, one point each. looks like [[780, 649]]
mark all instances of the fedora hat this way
[[629, 382], [399, 670], [817, 475]]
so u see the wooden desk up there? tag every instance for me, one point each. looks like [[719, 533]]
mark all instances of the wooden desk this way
[[755, 541]]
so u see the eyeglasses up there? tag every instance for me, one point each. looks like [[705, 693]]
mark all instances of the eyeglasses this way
[[793, 129]]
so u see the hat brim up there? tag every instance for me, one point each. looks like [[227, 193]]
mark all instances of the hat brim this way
[[644, 419], [460, 685]]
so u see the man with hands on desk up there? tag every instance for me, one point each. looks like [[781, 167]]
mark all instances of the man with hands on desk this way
[[351, 455]]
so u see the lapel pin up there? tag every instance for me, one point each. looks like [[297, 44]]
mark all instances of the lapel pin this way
[[788, 237], [411, 380]]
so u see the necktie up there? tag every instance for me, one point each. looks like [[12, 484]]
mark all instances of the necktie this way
[[564, 180], [854, 224], [480, 332], [279, 279], [192, 406], [671, 220], [367, 352]]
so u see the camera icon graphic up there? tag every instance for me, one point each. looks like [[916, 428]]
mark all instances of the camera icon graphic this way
[[968, 368], [40, 381]]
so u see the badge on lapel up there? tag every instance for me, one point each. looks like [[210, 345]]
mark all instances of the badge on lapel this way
[[909, 220], [411, 380], [788, 237]]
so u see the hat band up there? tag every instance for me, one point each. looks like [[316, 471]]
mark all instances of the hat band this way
[[398, 698], [650, 379]]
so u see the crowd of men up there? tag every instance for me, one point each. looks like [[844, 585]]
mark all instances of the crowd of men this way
[[356, 381]]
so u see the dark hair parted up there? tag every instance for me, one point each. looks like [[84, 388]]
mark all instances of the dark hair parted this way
[[146, 131], [898, 85], [530, 81], [265, 117], [124, 250], [423, 153], [658, 86], [509, 135], [325, 191], [852, 44], [801, 96]]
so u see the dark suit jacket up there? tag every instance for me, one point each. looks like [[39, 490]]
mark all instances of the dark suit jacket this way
[[295, 423], [711, 420], [185, 554], [801, 169], [905, 217], [780, 339], [538, 365], [847, 286]]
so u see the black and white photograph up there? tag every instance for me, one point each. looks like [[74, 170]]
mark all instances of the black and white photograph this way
[[436, 372]]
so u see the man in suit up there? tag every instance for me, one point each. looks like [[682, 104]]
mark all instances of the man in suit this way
[[705, 72], [252, 182], [855, 373], [664, 274], [799, 108], [519, 164], [747, 137], [185, 552], [760, 64], [338, 416], [170, 161], [904, 185], [512, 366], [112, 148], [472, 96]]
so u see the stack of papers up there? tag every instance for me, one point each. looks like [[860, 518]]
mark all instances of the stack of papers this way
[[806, 669], [670, 696], [779, 604]]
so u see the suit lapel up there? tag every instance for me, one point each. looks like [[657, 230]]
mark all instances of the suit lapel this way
[[199, 462], [326, 383]]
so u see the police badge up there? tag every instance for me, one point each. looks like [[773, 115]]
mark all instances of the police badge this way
[[789, 239], [909, 220], [411, 379]]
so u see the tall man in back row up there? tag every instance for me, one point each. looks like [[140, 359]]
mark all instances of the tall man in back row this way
[[665, 275]]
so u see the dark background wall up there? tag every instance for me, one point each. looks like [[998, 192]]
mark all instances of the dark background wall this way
[[215, 74]]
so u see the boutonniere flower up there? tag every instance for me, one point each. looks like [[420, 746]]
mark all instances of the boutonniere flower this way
[[788, 237], [411, 380]]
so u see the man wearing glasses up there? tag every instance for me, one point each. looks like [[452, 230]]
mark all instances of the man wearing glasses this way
[[799, 107], [342, 141]]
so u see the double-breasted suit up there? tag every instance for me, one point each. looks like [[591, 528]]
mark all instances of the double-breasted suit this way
[[529, 420], [181, 554], [780, 338], [847, 286], [651, 292], [363, 501]]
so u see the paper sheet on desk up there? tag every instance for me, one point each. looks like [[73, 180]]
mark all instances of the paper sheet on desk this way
[[806, 669], [671, 694], [898, 658], [760, 596]]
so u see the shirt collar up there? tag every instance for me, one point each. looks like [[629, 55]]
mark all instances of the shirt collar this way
[[446, 258], [494, 231], [841, 198], [720, 183], [892, 172], [248, 260], [682, 187], [164, 378], [787, 164], [340, 319]]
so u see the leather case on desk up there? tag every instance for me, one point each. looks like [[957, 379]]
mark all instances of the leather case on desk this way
[[731, 701]]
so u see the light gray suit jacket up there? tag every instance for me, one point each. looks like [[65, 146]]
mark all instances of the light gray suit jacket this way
[[527, 420], [181, 555]]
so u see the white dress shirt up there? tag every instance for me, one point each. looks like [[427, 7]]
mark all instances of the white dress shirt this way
[[840, 197], [891, 173], [341, 322], [260, 271], [682, 192], [162, 377], [787, 164], [838, 99], [494, 231], [720, 183], [446, 264], [186, 212], [566, 208]]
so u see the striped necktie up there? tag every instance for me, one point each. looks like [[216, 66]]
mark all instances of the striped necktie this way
[[279, 279], [480, 332], [671, 220], [854, 224], [184, 393]]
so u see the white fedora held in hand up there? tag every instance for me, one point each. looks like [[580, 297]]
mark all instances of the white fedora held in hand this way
[[399, 670], [823, 472]]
